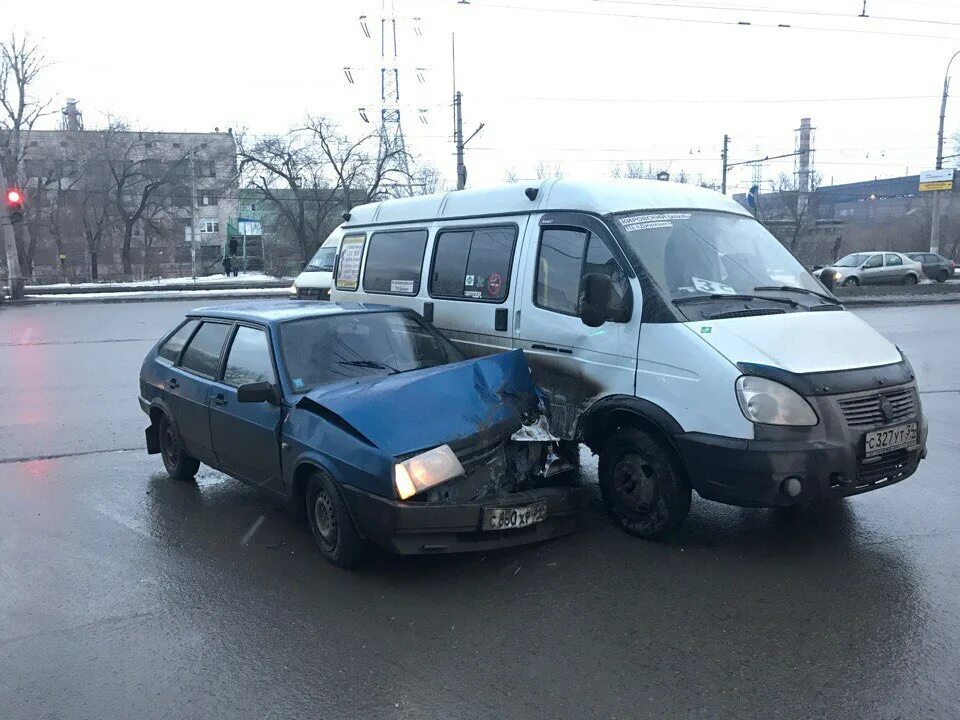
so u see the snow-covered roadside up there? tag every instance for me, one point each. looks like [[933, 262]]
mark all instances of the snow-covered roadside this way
[[161, 295], [251, 277]]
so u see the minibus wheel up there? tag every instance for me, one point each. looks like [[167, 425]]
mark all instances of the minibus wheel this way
[[643, 485]]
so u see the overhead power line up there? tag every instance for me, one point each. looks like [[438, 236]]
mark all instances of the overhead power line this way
[[785, 11], [700, 101], [708, 21]]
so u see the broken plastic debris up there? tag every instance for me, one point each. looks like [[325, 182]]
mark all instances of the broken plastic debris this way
[[535, 432]]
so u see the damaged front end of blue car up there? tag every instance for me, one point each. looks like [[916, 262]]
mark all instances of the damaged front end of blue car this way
[[450, 458]]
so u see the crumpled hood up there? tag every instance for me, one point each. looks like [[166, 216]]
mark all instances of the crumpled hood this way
[[801, 342], [422, 409]]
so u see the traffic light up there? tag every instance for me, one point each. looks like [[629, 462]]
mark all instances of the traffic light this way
[[14, 205]]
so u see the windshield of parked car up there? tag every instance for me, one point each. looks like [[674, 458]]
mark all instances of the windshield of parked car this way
[[322, 350], [323, 260], [855, 260], [691, 253]]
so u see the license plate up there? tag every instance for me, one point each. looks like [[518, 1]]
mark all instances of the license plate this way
[[513, 517], [889, 439]]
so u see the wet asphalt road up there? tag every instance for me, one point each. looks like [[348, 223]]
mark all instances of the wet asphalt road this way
[[126, 595]]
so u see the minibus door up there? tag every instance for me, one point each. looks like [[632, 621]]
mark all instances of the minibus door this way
[[573, 363]]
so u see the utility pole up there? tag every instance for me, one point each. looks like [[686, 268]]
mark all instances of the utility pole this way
[[193, 217], [935, 220], [725, 156], [15, 281], [458, 140]]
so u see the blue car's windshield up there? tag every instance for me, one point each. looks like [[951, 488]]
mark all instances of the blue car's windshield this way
[[323, 350]]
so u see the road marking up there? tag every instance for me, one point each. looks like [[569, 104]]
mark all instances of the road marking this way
[[253, 529], [9, 461], [25, 340]]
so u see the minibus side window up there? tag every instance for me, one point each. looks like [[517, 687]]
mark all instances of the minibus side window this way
[[473, 263], [394, 262], [565, 257]]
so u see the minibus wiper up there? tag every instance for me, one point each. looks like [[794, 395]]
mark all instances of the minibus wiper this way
[[738, 296], [789, 288]]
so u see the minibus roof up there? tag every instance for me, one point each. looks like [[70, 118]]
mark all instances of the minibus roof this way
[[593, 196]]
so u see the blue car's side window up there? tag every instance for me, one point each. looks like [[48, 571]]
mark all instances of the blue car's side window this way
[[202, 355], [170, 350], [248, 360]]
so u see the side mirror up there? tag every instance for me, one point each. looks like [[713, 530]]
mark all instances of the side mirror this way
[[597, 291], [303, 265], [257, 392]]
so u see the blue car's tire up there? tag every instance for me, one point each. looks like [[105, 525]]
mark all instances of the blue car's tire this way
[[179, 463], [331, 523]]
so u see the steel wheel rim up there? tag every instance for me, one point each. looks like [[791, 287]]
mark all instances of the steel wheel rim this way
[[635, 484], [325, 520], [171, 451]]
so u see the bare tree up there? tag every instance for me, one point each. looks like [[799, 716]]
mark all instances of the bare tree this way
[[141, 188], [546, 171], [797, 208], [361, 172], [21, 62], [312, 174], [511, 176], [428, 180], [294, 178]]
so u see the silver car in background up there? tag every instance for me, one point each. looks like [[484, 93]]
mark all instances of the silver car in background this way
[[872, 268]]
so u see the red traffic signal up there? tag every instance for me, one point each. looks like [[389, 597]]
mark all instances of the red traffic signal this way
[[14, 204]]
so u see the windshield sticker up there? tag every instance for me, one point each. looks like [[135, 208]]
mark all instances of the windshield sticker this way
[[709, 286], [475, 294], [401, 286], [468, 281], [494, 284], [348, 275], [298, 383], [652, 221]]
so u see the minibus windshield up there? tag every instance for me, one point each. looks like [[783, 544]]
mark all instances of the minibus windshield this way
[[322, 261], [701, 252]]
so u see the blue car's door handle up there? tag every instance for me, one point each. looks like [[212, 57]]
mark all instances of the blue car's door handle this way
[[219, 399], [174, 384]]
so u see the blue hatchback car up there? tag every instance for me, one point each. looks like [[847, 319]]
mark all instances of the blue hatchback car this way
[[365, 419]]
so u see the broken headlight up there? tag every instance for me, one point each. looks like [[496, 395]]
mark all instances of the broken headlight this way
[[425, 470]]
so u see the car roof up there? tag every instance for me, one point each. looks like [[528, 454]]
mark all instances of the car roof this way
[[273, 312], [595, 196]]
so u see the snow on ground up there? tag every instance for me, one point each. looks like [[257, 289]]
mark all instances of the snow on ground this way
[[250, 277], [164, 294]]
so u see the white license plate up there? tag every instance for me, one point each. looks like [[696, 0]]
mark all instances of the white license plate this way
[[897, 437], [513, 517]]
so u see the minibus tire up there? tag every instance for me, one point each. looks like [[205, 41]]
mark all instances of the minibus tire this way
[[660, 503]]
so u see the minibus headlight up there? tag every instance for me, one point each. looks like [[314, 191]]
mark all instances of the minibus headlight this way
[[425, 470], [770, 403]]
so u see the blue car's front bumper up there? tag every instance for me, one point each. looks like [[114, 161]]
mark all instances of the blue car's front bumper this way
[[412, 528]]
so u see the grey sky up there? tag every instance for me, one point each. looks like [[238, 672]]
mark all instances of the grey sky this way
[[566, 82]]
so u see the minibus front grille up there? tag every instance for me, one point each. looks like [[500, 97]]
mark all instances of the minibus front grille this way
[[868, 410], [746, 313]]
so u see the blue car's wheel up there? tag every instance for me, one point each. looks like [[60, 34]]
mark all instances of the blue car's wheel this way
[[331, 524], [179, 464]]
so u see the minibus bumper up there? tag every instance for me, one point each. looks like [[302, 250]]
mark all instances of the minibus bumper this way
[[792, 469], [415, 528]]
